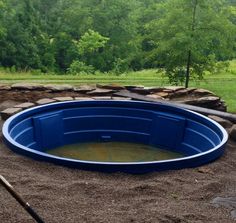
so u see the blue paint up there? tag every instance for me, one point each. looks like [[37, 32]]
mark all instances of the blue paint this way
[[35, 130]]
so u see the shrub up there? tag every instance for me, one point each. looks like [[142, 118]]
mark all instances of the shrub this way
[[78, 67]]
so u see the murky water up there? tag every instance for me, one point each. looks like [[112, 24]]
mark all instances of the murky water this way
[[113, 152]]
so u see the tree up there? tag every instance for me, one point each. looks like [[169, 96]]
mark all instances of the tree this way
[[91, 42], [20, 44], [115, 19], [2, 31], [184, 37], [190, 36], [65, 51], [88, 47]]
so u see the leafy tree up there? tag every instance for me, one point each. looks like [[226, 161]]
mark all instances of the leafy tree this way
[[46, 53], [91, 42], [90, 46], [2, 30], [65, 51], [78, 67], [59, 35], [21, 47], [190, 36], [117, 20]]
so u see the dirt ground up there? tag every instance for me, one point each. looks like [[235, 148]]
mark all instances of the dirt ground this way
[[67, 195]]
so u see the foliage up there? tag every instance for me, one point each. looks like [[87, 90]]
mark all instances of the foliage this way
[[208, 35], [78, 67], [89, 46], [91, 42], [65, 50], [2, 31], [117, 35], [120, 66]]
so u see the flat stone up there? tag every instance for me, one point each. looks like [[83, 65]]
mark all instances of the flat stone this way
[[83, 99], [5, 87], [8, 104], [225, 123], [5, 114], [210, 102], [102, 98], [101, 92], [45, 101], [25, 105], [111, 86], [155, 96], [174, 88], [154, 89], [180, 93], [63, 99], [232, 132], [162, 94], [130, 87], [203, 100], [27, 86], [140, 90], [209, 98], [121, 98], [190, 89], [202, 92], [228, 202], [84, 89], [233, 214], [168, 91], [59, 87]]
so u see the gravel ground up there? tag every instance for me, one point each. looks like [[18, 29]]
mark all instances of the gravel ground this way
[[62, 194]]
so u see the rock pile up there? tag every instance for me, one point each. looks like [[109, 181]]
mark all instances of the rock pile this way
[[191, 96]]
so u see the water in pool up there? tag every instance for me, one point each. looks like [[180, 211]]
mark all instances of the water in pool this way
[[114, 152]]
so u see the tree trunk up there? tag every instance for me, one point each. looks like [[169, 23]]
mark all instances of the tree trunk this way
[[195, 3], [188, 69]]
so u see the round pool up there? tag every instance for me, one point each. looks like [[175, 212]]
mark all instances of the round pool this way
[[37, 131]]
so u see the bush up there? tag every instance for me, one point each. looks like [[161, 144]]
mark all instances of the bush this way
[[78, 67], [120, 66]]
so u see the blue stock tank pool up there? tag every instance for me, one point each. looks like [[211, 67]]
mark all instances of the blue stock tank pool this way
[[126, 136]]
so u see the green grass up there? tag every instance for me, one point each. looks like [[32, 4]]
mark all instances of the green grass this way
[[226, 89], [223, 84]]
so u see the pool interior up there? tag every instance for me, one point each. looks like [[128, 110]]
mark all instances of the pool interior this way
[[114, 152], [60, 126]]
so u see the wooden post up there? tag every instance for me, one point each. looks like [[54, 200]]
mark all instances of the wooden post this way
[[189, 51], [188, 69], [24, 204]]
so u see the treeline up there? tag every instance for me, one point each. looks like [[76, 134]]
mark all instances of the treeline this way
[[116, 35]]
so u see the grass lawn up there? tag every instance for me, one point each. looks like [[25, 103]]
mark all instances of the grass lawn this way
[[223, 84]]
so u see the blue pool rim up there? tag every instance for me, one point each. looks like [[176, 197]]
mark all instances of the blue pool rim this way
[[129, 167]]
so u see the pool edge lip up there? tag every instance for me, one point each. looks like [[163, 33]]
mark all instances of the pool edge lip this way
[[12, 143]]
